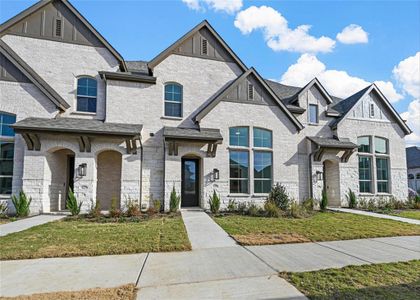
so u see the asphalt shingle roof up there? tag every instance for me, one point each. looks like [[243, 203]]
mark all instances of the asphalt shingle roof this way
[[207, 134], [137, 66], [75, 125], [286, 93]]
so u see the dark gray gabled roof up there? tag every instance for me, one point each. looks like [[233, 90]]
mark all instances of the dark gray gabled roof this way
[[332, 143], [137, 66], [161, 56], [205, 109], [413, 157], [78, 15], [33, 76], [199, 134], [75, 125], [285, 92]]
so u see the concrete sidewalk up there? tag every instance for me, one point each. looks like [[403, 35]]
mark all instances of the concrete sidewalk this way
[[376, 215], [27, 223], [203, 232]]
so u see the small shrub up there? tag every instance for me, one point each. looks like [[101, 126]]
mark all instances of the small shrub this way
[[297, 211], [72, 204], [279, 196], [132, 208], [114, 212], [174, 201], [3, 209], [351, 198], [242, 208], [271, 209], [95, 209], [414, 202], [324, 201], [371, 204], [308, 205], [397, 204], [253, 210], [362, 203], [155, 208], [214, 202], [232, 206]]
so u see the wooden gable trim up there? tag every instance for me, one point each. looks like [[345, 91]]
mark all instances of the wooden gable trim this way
[[165, 53], [34, 8]]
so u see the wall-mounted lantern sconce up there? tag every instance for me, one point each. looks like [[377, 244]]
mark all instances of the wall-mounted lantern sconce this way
[[81, 170], [216, 174], [319, 175]]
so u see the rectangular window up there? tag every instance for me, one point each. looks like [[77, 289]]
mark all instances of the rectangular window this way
[[364, 144], [263, 165], [365, 174], [262, 138], [382, 177], [239, 172], [250, 92], [239, 136], [313, 113], [7, 149]]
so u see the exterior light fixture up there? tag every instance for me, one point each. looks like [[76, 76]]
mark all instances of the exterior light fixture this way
[[216, 174], [81, 170], [319, 175]]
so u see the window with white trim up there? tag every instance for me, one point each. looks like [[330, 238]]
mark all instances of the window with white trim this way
[[173, 100], [313, 113], [86, 94], [7, 147]]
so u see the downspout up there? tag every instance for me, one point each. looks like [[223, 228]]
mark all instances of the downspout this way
[[141, 172], [164, 174]]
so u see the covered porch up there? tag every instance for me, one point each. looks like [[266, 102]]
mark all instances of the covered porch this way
[[96, 160], [190, 164], [327, 155]]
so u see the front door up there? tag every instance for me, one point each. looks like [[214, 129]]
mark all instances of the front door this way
[[190, 186]]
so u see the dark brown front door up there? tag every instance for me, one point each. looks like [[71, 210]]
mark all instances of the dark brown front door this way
[[190, 187]]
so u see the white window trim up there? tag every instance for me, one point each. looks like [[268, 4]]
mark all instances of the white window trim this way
[[309, 114], [164, 116], [80, 112]]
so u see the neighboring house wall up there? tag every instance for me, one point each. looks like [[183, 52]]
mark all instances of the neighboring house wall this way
[[144, 104], [414, 183], [60, 64]]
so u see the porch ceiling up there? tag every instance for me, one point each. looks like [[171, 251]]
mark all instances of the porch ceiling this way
[[332, 144]]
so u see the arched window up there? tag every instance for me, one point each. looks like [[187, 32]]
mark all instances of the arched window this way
[[86, 94], [173, 100], [410, 176]]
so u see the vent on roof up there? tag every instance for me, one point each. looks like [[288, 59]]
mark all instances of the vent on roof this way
[[204, 47], [372, 110], [250, 92], [58, 27]]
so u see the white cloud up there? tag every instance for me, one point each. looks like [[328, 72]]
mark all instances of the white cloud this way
[[193, 4], [228, 6], [353, 34], [407, 72], [337, 83], [277, 33], [412, 115]]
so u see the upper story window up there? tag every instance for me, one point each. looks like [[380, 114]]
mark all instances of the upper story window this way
[[313, 113], [262, 138], [239, 136], [86, 94], [381, 145], [7, 147], [364, 144], [173, 100]]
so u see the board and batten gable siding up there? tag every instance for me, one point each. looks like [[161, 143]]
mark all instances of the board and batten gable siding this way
[[362, 109], [42, 24], [387, 128], [286, 168], [60, 64], [141, 103]]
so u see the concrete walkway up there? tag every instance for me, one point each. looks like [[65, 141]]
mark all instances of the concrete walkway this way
[[376, 215], [27, 223], [203, 232]]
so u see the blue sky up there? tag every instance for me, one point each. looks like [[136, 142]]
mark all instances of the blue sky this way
[[141, 29]]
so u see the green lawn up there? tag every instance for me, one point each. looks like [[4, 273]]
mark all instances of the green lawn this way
[[381, 281], [411, 214], [326, 226], [80, 237]]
